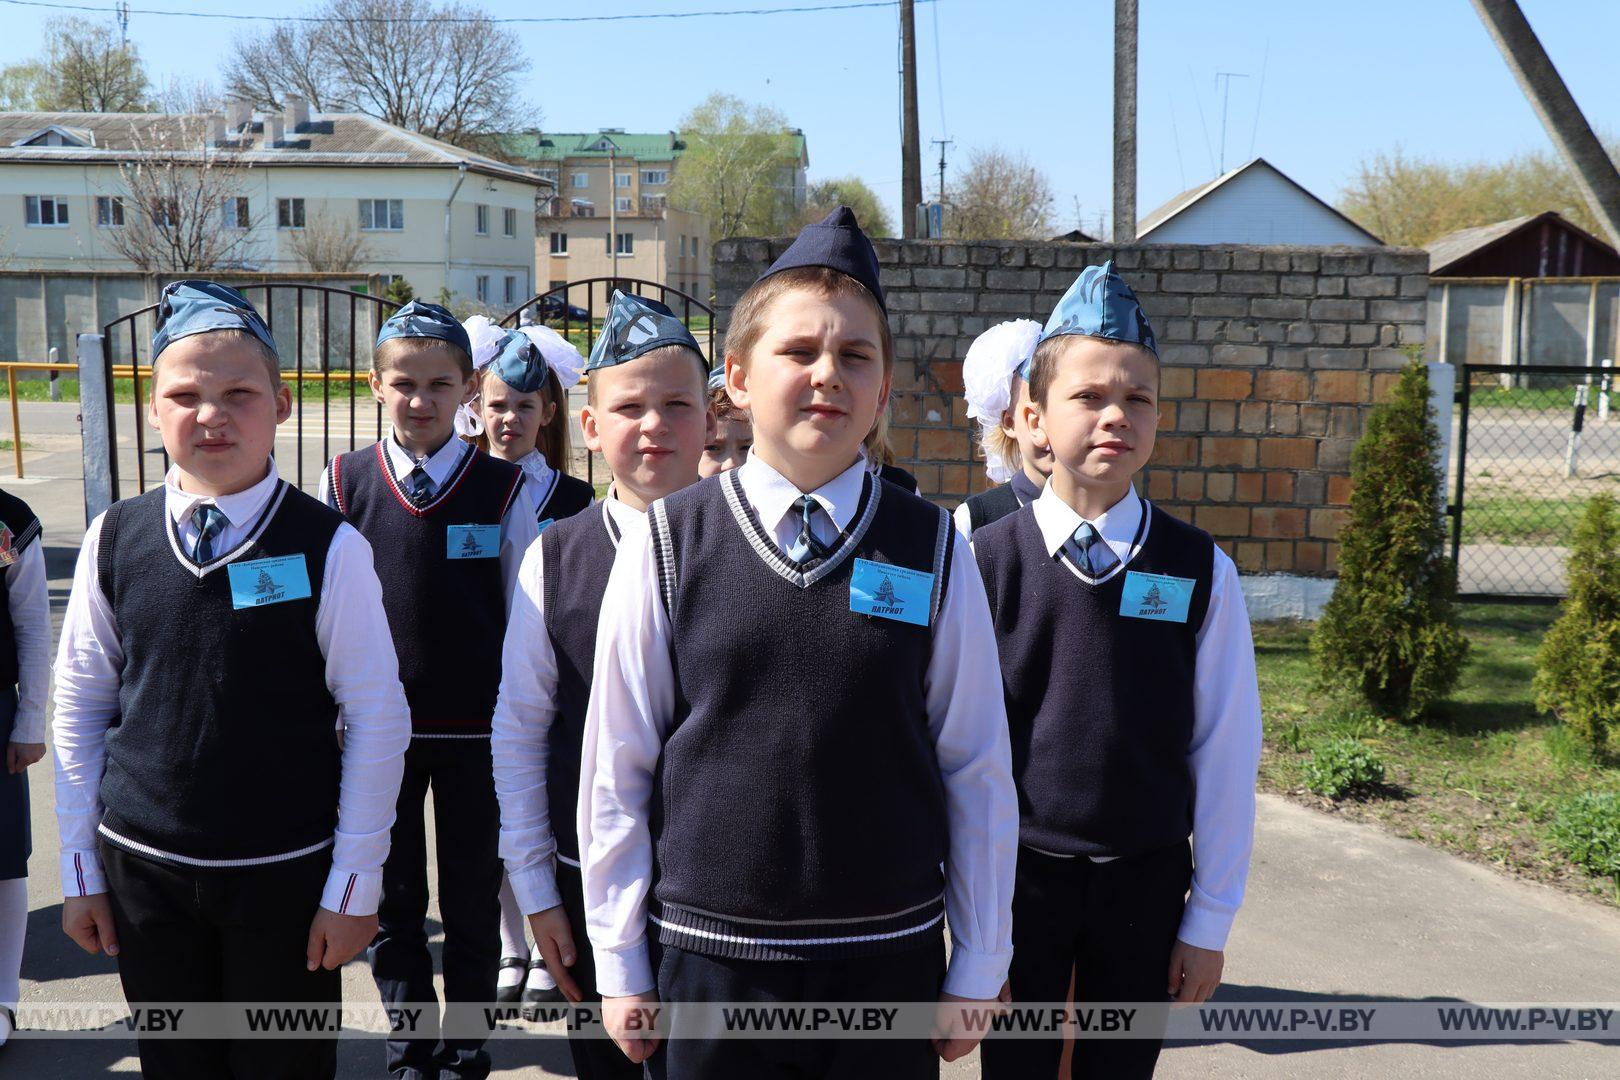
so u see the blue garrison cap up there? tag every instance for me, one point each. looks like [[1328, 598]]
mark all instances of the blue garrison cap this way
[[519, 363], [636, 325], [1099, 304], [717, 377], [836, 242], [200, 307], [419, 319]]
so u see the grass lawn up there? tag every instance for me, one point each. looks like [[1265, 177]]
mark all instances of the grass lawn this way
[[1520, 520], [1552, 392], [1481, 778]]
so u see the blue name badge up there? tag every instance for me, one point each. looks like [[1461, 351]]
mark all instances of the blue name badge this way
[[891, 592], [474, 541], [1156, 596], [268, 581], [540, 528]]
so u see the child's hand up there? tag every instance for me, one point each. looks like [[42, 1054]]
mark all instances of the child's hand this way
[[1194, 973], [555, 940], [88, 921], [959, 1023], [629, 1020], [335, 939], [20, 755]]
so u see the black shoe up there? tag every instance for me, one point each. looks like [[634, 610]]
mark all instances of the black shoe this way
[[541, 1005], [508, 995]]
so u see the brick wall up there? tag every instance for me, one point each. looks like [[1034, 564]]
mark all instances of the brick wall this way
[[1271, 357]]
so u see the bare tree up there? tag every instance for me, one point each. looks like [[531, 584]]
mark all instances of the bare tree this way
[[999, 196], [737, 167], [453, 74], [328, 245], [180, 205], [183, 96]]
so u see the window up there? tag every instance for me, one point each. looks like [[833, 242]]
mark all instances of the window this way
[[548, 174], [385, 214], [481, 287], [508, 222], [694, 247], [289, 213], [511, 289], [623, 204], [653, 204], [683, 245], [582, 208], [166, 213], [580, 179], [236, 213], [627, 243], [655, 176], [109, 211], [554, 285], [622, 179], [45, 210], [559, 243], [481, 220]]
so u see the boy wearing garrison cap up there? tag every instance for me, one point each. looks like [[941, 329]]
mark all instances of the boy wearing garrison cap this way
[[216, 838], [648, 417], [1131, 698], [452, 528], [796, 737]]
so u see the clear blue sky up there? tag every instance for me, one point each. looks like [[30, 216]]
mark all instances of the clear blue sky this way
[[1341, 81]]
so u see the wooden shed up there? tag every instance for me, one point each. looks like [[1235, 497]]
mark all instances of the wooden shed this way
[[1541, 245]]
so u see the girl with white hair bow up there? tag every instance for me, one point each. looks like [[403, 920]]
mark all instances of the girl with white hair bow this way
[[996, 384]]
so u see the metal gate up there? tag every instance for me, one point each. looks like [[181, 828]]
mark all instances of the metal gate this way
[[1531, 445]]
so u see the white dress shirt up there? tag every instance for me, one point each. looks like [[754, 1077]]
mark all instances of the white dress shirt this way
[[632, 704], [518, 526], [521, 728], [363, 680], [1224, 754], [28, 601]]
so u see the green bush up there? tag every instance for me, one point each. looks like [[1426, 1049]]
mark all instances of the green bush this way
[[1343, 767], [1578, 665], [399, 291], [1390, 630], [1587, 829]]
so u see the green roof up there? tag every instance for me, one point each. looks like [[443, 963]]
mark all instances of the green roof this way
[[640, 146]]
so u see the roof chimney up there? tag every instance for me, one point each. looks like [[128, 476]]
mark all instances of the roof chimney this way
[[296, 113], [274, 130], [216, 129], [237, 113]]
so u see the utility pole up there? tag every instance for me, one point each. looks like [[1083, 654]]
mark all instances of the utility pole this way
[[942, 144], [1226, 96], [1124, 121], [1595, 173], [910, 147]]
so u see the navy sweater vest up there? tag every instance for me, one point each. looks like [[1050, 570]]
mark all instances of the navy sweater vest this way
[[998, 502], [225, 748], [569, 495], [1099, 704], [21, 529], [447, 615], [798, 810], [577, 557]]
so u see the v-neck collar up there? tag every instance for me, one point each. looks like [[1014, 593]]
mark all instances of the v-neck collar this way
[[1056, 521], [765, 547], [447, 488], [252, 537]]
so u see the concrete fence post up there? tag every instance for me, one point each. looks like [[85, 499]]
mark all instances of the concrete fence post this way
[[1442, 399], [96, 427]]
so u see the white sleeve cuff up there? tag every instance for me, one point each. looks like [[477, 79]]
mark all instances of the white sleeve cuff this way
[[351, 893], [535, 888], [625, 972], [978, 976], [1205, 923], [81, 873]]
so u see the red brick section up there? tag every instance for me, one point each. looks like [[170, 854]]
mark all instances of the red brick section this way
[[1269, 360]]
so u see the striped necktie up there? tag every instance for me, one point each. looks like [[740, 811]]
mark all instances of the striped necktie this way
[[1092, 553], [419, 485], [806, 546], [209, 521]]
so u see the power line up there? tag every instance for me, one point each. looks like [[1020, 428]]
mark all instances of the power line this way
[[233, 17]]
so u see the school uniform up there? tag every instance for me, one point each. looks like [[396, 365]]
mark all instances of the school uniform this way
[[539, 727], [1135, 720], [454, 527], [555, 494], [211, 649], [977, 511], [796, 728], [25, 657]]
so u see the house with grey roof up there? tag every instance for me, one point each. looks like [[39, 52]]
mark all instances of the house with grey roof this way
[[1255, 203]]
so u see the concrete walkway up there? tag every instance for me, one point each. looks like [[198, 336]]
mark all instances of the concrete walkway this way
[[1336, 911]]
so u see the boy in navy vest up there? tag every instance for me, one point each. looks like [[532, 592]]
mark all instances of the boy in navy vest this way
[[648, 417], [25, 672], [996, 390], [1131, 698], [216, 838], [452, 529], [796, 726]]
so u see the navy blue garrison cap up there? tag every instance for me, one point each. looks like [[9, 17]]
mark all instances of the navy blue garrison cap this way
[[519, 363], [635, 326], [200, 307], [836, 242], [419, 319]]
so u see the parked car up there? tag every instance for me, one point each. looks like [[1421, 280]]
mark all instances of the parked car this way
[[552, 306]]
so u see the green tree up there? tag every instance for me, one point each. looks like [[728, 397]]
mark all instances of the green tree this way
[[86, 67], [824, 196], [1390, 630], [1578, 666], [999, 196], [738, 169], [23, 85], [1414, 200]]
